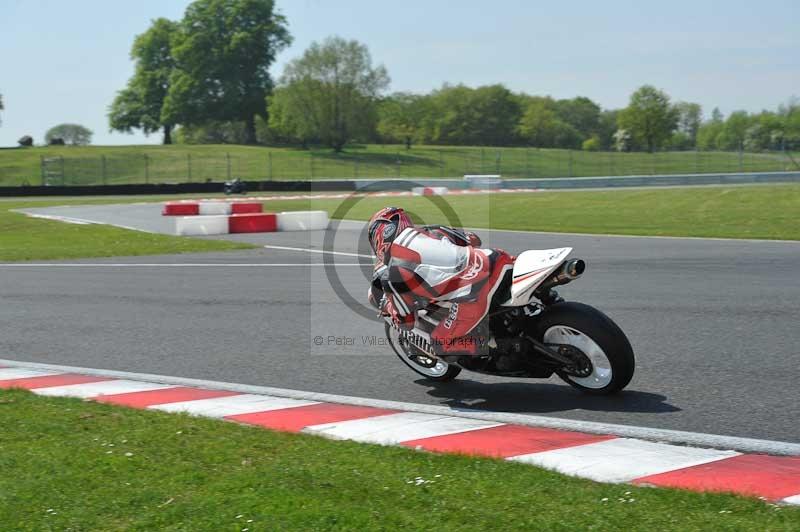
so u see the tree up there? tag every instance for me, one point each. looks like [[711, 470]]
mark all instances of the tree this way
[[581, 113], [734, 131], [329, 93], [1, 105], [139, 105], [649, 117], [461, 115], [74, 134], [540, 126], [690, 115], [400, 117], [223, 54], [606, 127]]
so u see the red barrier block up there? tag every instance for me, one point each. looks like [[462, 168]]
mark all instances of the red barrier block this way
[[241, 207], [180, 209], [253, 223]]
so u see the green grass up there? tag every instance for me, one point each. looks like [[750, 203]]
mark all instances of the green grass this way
[[768, 212], [24, 239], [72, 465], [180, 163]]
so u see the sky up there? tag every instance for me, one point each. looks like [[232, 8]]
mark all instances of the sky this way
[[65, 61]]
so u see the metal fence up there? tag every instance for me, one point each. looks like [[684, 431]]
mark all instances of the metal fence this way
[[419, 162]]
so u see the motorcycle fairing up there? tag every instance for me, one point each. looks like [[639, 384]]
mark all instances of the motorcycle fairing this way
[[530, 269]]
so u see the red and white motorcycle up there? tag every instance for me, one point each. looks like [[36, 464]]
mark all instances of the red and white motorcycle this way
[[533, 333]]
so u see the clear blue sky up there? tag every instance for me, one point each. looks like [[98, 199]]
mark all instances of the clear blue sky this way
[[63, 61]]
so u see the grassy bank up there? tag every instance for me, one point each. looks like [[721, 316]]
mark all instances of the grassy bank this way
[[768, 212], [180, 163], [69, 464], [24, 239]]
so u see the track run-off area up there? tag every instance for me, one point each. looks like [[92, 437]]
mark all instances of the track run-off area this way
[[712, 322]]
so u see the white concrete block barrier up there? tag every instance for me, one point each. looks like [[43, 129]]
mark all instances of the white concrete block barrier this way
[[210, 207], [256, 222], [201, 225], [302, 221]]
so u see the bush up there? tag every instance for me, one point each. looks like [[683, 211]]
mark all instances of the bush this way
[[591, 144], [74, 134]]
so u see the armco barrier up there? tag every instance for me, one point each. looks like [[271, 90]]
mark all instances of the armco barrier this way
[[178, 188], [201, 225], [375, 185], [252, 223], [303, 221]]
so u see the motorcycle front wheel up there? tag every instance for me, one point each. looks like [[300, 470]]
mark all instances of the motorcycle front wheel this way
[[431, 369], [601, 343]]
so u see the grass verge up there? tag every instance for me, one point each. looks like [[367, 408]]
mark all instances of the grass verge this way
[[763, 212], [72, 465], [24, 239]]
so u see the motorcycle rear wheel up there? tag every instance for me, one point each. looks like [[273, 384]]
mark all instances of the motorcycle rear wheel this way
[[600, 340]]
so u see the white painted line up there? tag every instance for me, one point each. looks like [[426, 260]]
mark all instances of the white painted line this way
[[22, 373], [168, 265], [395, 428], [230, 406], [80, 221], [93, 389], [65, 219], [622, 459], [795, 499], [321, 251], [629, 431]]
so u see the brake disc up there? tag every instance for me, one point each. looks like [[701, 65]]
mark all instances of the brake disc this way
[[581, 366]]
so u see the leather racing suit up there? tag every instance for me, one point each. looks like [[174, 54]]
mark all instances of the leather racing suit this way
[[440, 264]]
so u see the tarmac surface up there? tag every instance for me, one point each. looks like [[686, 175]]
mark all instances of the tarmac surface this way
[[714, 324]]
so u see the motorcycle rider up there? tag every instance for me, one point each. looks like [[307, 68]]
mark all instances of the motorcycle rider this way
[[417, 266]]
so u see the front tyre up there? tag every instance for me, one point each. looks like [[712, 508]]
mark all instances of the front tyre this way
[[431, 369], [593, 337]]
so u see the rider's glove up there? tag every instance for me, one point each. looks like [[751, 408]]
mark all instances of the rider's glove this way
[[388, 309], [473, 239]]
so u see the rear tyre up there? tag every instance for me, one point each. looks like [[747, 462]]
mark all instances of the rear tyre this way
[[602, 343], [431, 369]]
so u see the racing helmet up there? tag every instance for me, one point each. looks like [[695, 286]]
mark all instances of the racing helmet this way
[[384, 226]]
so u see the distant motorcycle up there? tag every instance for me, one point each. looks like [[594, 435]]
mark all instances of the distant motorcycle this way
[[534, 333], [237, 186]]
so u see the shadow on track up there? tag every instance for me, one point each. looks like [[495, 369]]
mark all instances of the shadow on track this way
[[541, 398]]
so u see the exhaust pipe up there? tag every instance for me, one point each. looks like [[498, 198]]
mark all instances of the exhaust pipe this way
[[568, 272]]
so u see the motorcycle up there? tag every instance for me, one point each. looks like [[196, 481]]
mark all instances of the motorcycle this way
[[532, 334], [237, 186]]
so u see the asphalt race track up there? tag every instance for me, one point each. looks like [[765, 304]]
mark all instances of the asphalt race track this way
[[714, 325]]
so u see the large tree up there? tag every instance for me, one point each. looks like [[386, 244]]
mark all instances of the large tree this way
[[139, 104], [649, 117], [329, 93], [223, 54]]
